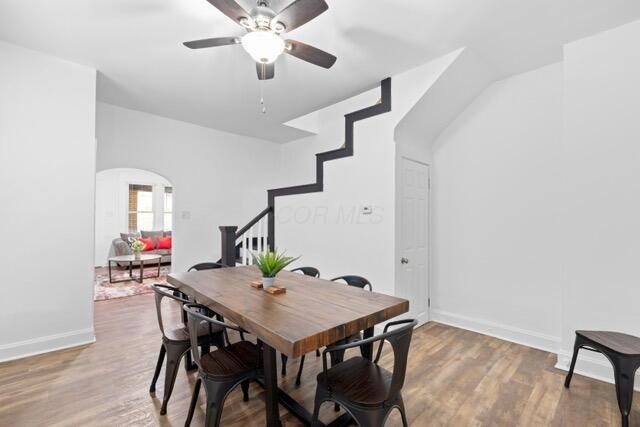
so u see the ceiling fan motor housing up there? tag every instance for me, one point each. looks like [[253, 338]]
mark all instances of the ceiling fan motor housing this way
[[263, 16]]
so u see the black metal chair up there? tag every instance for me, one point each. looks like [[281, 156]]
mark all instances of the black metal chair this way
[[357, 281], [222, 369], [308, 271], [209, 266], [176, 343], [623, 351], [206, 266], [367, 391]]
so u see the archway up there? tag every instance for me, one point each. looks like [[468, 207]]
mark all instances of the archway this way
[[131, 204]]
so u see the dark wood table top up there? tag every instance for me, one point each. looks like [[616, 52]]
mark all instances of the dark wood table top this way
[[312, 313]]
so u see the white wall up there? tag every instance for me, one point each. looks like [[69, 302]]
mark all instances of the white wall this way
[[496, 200], [602, 142], [535, 203], [327, 229], [112, 205], [47, 171], [218, 178]]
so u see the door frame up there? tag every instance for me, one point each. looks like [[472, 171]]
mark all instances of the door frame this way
[[398, 233]]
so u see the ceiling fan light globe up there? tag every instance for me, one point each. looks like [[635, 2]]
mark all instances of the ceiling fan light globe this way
[[263, 46]]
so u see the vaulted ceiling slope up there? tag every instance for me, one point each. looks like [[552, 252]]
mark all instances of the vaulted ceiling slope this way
[[136, 46]]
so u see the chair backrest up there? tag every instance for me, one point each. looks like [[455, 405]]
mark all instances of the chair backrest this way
[[167, 291], [198, 314], [357, 281], [308, 271], [206, 266], [400, 340]]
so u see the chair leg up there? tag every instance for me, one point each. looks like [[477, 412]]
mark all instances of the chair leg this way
[[194, 402], [624, 375], [174, 354], [188, 363], [374, 417], [317, 353], [283, 370], [245, 390], [316, 408], [152, 389], [337, 357], [403, 412], [300, 370], [576, 347], [216, 393]]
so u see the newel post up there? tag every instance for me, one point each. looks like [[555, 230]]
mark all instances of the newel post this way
[[271, 221], [228, 239]]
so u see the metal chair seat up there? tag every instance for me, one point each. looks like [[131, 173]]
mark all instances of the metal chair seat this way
[[230, 361], [358, 381]]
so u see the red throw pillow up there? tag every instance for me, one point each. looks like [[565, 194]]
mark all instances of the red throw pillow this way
[[164, 243], [148, 243]]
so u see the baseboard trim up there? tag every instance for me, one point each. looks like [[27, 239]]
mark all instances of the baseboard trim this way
[[46, 344], [508, 333]]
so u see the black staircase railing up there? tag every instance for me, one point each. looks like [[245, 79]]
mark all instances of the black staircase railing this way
[[253, 222], [231, 234]]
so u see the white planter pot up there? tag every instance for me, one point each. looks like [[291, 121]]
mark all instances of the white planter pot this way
[[268, 282], [136, 255]]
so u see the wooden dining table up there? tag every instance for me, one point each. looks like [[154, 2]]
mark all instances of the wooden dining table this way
[[311, 314]]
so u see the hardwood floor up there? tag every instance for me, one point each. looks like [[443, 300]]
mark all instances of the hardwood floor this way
[[455, 378]]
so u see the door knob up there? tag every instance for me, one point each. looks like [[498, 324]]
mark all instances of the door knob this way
[[404, 261]]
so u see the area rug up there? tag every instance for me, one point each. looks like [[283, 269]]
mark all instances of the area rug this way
[[103, 290]]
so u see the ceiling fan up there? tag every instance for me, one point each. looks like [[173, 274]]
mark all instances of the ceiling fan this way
[[263, 41]]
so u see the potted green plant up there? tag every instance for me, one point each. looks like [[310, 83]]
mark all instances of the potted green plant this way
[[137, 247], [270, 264]]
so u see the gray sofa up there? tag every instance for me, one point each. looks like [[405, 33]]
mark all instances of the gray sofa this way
[[121, 244]]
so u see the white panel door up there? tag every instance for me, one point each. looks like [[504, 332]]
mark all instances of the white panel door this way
[[414, 237]]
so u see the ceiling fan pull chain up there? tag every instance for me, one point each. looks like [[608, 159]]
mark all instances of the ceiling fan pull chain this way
[[262, 105]]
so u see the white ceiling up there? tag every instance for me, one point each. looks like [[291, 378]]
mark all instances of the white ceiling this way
[[136, 46]]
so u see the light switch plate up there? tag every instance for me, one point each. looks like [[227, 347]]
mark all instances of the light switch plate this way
[[185, 215]]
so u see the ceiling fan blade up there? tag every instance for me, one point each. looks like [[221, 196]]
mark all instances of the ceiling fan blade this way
[[216, 41], [300, 12], [230, 8], [265, 71], [310, 54]]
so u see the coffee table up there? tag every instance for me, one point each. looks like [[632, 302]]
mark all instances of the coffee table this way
[[132, 259]]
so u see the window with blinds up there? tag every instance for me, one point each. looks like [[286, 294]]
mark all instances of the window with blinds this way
[[140, 207]]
